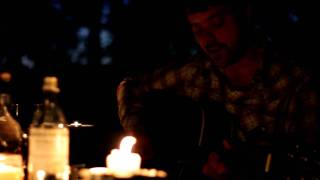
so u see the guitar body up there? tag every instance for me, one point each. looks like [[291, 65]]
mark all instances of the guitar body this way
[[183, 133]]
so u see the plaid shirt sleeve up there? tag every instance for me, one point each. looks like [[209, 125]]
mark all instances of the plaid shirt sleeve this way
[[307, 105], [303, 105], [187, 80]]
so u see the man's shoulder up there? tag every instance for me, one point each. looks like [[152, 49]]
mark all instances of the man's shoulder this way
[[282, 68], [278, 61]]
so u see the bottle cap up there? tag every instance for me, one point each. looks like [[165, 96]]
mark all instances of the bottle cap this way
[[50, 83]]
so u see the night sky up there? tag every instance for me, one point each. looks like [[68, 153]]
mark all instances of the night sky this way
[[92, 45]]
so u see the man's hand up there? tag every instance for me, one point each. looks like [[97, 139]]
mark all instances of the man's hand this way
[[214, 167]]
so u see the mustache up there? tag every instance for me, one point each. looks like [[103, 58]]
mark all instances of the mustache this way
[[216, 46]]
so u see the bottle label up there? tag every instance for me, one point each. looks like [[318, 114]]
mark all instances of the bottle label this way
[[48, 150]]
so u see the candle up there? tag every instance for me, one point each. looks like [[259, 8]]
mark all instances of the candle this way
[[122, 163]]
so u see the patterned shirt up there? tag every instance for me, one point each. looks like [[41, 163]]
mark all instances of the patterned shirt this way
[[279, 93]]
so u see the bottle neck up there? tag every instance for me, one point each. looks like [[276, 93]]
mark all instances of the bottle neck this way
[[10, 129], [4, 102], [5, 84], [5, 99], [49, 114], [50, 97]]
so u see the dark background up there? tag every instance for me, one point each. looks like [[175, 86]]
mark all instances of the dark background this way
[[92, 45]]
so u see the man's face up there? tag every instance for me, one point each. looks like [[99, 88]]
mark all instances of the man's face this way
[[217, 33]]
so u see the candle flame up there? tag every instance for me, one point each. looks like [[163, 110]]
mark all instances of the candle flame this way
[[127, 143]]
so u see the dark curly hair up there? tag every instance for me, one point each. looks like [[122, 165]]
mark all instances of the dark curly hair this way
[[192, 6]]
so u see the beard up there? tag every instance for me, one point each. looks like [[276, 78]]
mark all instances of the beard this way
[[220, 54]]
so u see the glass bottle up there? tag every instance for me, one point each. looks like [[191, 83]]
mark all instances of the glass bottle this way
[[10, 130], [11, 161], [48, 137]]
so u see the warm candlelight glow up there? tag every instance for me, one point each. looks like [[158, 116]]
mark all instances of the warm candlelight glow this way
[[10, 172], [41, 174], [11, 167], [98, 170], [152, 173], [122, 162]]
